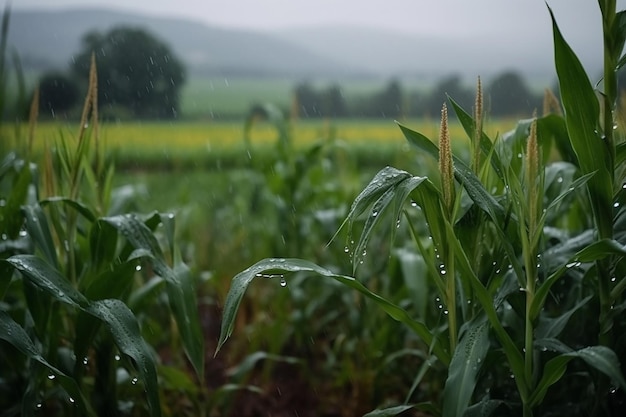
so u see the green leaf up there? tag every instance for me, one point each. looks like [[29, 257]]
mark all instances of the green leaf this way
[[39, 230], [484, 408], [486, 145], [179, 284], [276, 266], [47, 278], [389, 412], [125, 331], [582, 113], [552, 327], [76, 205], [594, 252], [249, 362], [466, 363], [16, 336], [118, 318], [600, 358]]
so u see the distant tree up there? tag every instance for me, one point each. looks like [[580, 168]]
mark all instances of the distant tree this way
[[308, 101], [510, 96], [390, 101], [136, 72], [334, 103], [58, 93]]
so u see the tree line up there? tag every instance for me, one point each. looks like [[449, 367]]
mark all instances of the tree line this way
[[508, 95]]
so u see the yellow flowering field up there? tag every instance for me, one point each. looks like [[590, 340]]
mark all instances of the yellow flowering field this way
[[188, 138]]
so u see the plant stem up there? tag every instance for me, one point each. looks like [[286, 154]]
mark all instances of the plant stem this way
[[608, 8], [451, 295]]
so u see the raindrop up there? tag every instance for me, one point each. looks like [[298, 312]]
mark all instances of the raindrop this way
[[134, 381], [23, 233], [445, 312], [616, 204], [519, 155], [38, 405], [283, 283], [3, 202], [571, 264], [346, 249], [559, 180], [138, 268], [85, 360], [117, 357], [414, 204], [4, 236], [51, 377], [72, 400], [443, 272], [613, 279], [624, 186], [374, 213]]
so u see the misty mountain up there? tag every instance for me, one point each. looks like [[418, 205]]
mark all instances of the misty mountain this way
[[48, 39]]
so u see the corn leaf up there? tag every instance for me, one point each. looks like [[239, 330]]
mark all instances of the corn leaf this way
[[600, 358], [276, 266], [179, 284], [464, 367], [582, 113], [14, 334], [119, 319]]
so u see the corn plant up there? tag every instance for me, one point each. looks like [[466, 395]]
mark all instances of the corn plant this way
[[519, 245], [80, 278]]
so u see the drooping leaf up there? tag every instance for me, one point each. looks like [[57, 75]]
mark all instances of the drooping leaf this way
[[114, 313], [484, 408], [601, 358], [14, 334], [389, 412], [464, 367], [274, 266], [552, 327], [594, 252], [179, 283], [125, 331]]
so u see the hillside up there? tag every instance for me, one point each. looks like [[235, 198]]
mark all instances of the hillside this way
[[48, 39]]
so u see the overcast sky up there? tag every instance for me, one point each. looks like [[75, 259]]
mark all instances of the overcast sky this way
[[420, 16]]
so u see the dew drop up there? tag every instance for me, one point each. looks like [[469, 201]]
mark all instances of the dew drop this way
[[134, 381], [613, 279], [283, 283], [51, 377], [445, 312], [23, 233], [72, 400], [616, 204], [559, 180], [85, 360], [374, 213], [414, 204], [38, 405], [346, 249], [138, 268], [117, 357]]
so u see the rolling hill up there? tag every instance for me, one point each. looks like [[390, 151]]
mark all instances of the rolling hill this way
[[47, 39]]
